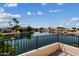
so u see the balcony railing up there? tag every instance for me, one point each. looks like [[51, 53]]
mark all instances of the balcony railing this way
[[19, 45]]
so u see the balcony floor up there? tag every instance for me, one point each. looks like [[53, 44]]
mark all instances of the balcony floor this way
[[59, 53]]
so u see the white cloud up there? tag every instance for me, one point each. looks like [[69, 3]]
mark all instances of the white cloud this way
[[74, 19], [1, 9], [29, 13], [72, 22], [10, 5], [5, 16], [77, 25], [3, 21], [60, 25], [39, 13], [16, 16], [55, 11], [60, 3]]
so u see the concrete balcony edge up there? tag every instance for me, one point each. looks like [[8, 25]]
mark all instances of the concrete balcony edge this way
[[52, 48]]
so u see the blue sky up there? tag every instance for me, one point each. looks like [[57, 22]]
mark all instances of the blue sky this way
[[41, 14]]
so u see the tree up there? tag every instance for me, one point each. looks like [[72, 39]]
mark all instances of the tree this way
[[74, 29], [16, 26], [36, 29], [10, 24], [60, 28], [29, 28], [41, 29], [6, 48], [15, 21]]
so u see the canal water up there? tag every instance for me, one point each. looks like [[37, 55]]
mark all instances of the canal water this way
[[36, 41], [27, 42]]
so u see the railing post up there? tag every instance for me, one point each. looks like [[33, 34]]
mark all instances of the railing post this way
[[57, 36], [37, 42], [58, 39]]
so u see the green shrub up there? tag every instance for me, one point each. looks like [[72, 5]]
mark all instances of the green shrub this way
[[1, 33]]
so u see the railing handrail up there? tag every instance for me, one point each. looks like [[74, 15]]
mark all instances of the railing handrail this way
[[37, 43]]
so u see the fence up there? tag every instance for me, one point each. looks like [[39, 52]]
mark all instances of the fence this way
[[19, 44]]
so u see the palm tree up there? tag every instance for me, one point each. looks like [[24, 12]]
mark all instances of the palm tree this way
[[15, 21], [10, 24]]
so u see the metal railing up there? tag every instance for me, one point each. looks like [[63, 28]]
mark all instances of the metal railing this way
[[18, 45]]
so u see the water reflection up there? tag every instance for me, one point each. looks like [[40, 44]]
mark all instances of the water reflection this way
[[26, 36], [20, 36]]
